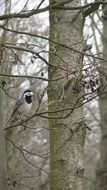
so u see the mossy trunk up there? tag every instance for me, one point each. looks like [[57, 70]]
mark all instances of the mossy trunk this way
[[67, 133]]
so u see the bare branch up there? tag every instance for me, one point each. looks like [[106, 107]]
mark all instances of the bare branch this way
[[22, 152], [54, 6]]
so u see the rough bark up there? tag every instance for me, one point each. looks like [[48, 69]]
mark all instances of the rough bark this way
[[101, 173], [67, 134]]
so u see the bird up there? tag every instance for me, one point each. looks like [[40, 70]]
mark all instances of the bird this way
[[22, 107]]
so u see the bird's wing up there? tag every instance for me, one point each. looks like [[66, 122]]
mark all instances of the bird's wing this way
[[13, 115], [17, 105]]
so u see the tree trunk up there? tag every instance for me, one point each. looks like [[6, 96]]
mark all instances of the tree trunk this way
[[67, 133], [3, 185], [3, 69], [101, 173]]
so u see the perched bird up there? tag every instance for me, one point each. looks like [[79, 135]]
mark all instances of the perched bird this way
[[22, 107]]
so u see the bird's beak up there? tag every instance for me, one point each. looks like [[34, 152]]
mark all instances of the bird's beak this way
[[31, 94]]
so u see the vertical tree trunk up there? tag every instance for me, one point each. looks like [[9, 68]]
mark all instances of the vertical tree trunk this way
[[3, 185], [3, 69], [101, 173], [67, 133]]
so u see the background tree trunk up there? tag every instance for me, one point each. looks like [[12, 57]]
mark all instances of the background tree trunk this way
[[67, 133], [101, 173], [4, 68], [3, 185]]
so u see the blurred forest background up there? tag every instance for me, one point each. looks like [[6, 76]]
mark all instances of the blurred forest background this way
[[58, 50]]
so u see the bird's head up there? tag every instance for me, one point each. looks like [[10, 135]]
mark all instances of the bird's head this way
[[28, 93]]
